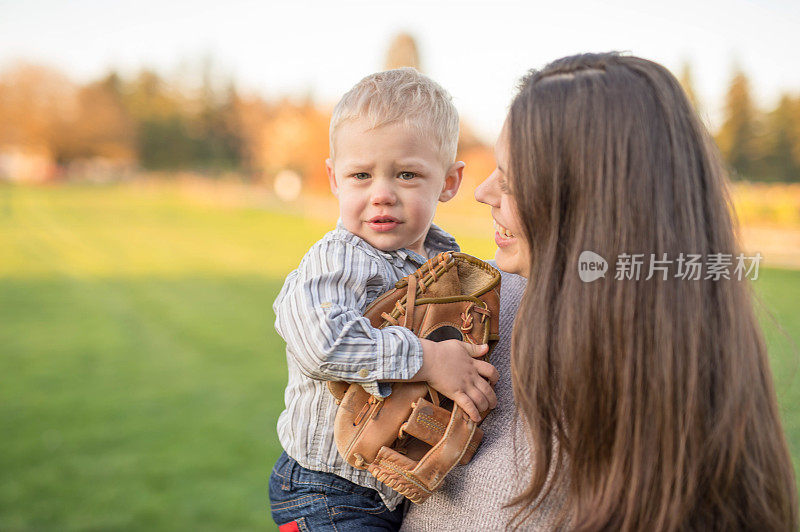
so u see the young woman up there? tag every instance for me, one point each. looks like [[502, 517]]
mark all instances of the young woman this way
[[648, 402]]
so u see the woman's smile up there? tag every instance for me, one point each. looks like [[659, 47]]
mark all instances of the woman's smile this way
[[502, 236]]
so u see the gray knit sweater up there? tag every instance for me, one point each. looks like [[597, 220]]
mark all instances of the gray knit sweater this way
[[472, 496]]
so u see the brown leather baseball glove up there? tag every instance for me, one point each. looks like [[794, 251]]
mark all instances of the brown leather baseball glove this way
[[413, 438]]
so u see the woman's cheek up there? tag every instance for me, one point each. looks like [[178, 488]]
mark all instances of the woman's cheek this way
[[508, 259]]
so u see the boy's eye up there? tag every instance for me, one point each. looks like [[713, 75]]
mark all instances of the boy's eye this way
[[407, 176], [361, 175]]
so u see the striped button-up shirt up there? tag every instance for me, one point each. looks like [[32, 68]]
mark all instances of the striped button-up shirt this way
[[319, 313]]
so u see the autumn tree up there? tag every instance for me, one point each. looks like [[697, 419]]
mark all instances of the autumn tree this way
[[295, 137], [37, 104], [737, 136], [162, 140], [781, 141], [217, 138], [102, 126], [252, 115]]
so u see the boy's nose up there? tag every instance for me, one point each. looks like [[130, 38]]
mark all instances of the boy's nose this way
[[382, 194]]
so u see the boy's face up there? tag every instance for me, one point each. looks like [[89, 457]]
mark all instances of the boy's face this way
[[388, 181]]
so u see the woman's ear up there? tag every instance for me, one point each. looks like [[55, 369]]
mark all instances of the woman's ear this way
[[452, 180], [331, 177]]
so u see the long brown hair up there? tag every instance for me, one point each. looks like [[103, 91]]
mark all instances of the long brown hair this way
[[649, 402]]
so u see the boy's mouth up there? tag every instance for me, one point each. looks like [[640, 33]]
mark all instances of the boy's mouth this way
[[383, 223]]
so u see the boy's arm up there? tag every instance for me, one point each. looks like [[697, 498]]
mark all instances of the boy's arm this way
[[319, 315]]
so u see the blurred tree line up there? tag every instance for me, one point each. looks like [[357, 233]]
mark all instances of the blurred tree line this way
[[157, 123], [757, 145], [161, 124]]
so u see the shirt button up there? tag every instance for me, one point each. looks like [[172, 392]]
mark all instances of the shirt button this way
[[363, 372]]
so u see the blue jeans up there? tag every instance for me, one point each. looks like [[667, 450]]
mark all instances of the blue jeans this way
[[324, 501]]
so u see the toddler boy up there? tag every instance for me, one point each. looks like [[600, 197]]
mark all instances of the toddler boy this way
[[393, 141]]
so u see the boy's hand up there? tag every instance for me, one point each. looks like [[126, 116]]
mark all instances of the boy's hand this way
[[451, 367]]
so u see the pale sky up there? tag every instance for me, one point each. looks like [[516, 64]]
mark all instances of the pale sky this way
[[476, 50]]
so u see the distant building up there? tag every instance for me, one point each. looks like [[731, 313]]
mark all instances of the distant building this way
[[29, 164], [100, 169]]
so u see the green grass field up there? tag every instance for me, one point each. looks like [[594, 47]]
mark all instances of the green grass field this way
[[140, 374]]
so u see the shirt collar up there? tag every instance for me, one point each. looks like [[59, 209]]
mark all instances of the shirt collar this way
[[436, 241]]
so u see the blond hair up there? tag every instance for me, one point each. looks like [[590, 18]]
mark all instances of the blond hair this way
[[406, 96]]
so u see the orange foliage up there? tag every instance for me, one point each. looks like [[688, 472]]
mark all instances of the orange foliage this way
[[35, 103], [295, 137], [479, 163]]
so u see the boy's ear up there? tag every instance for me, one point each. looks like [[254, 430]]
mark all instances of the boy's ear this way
[[331, 177], [452, 180]]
